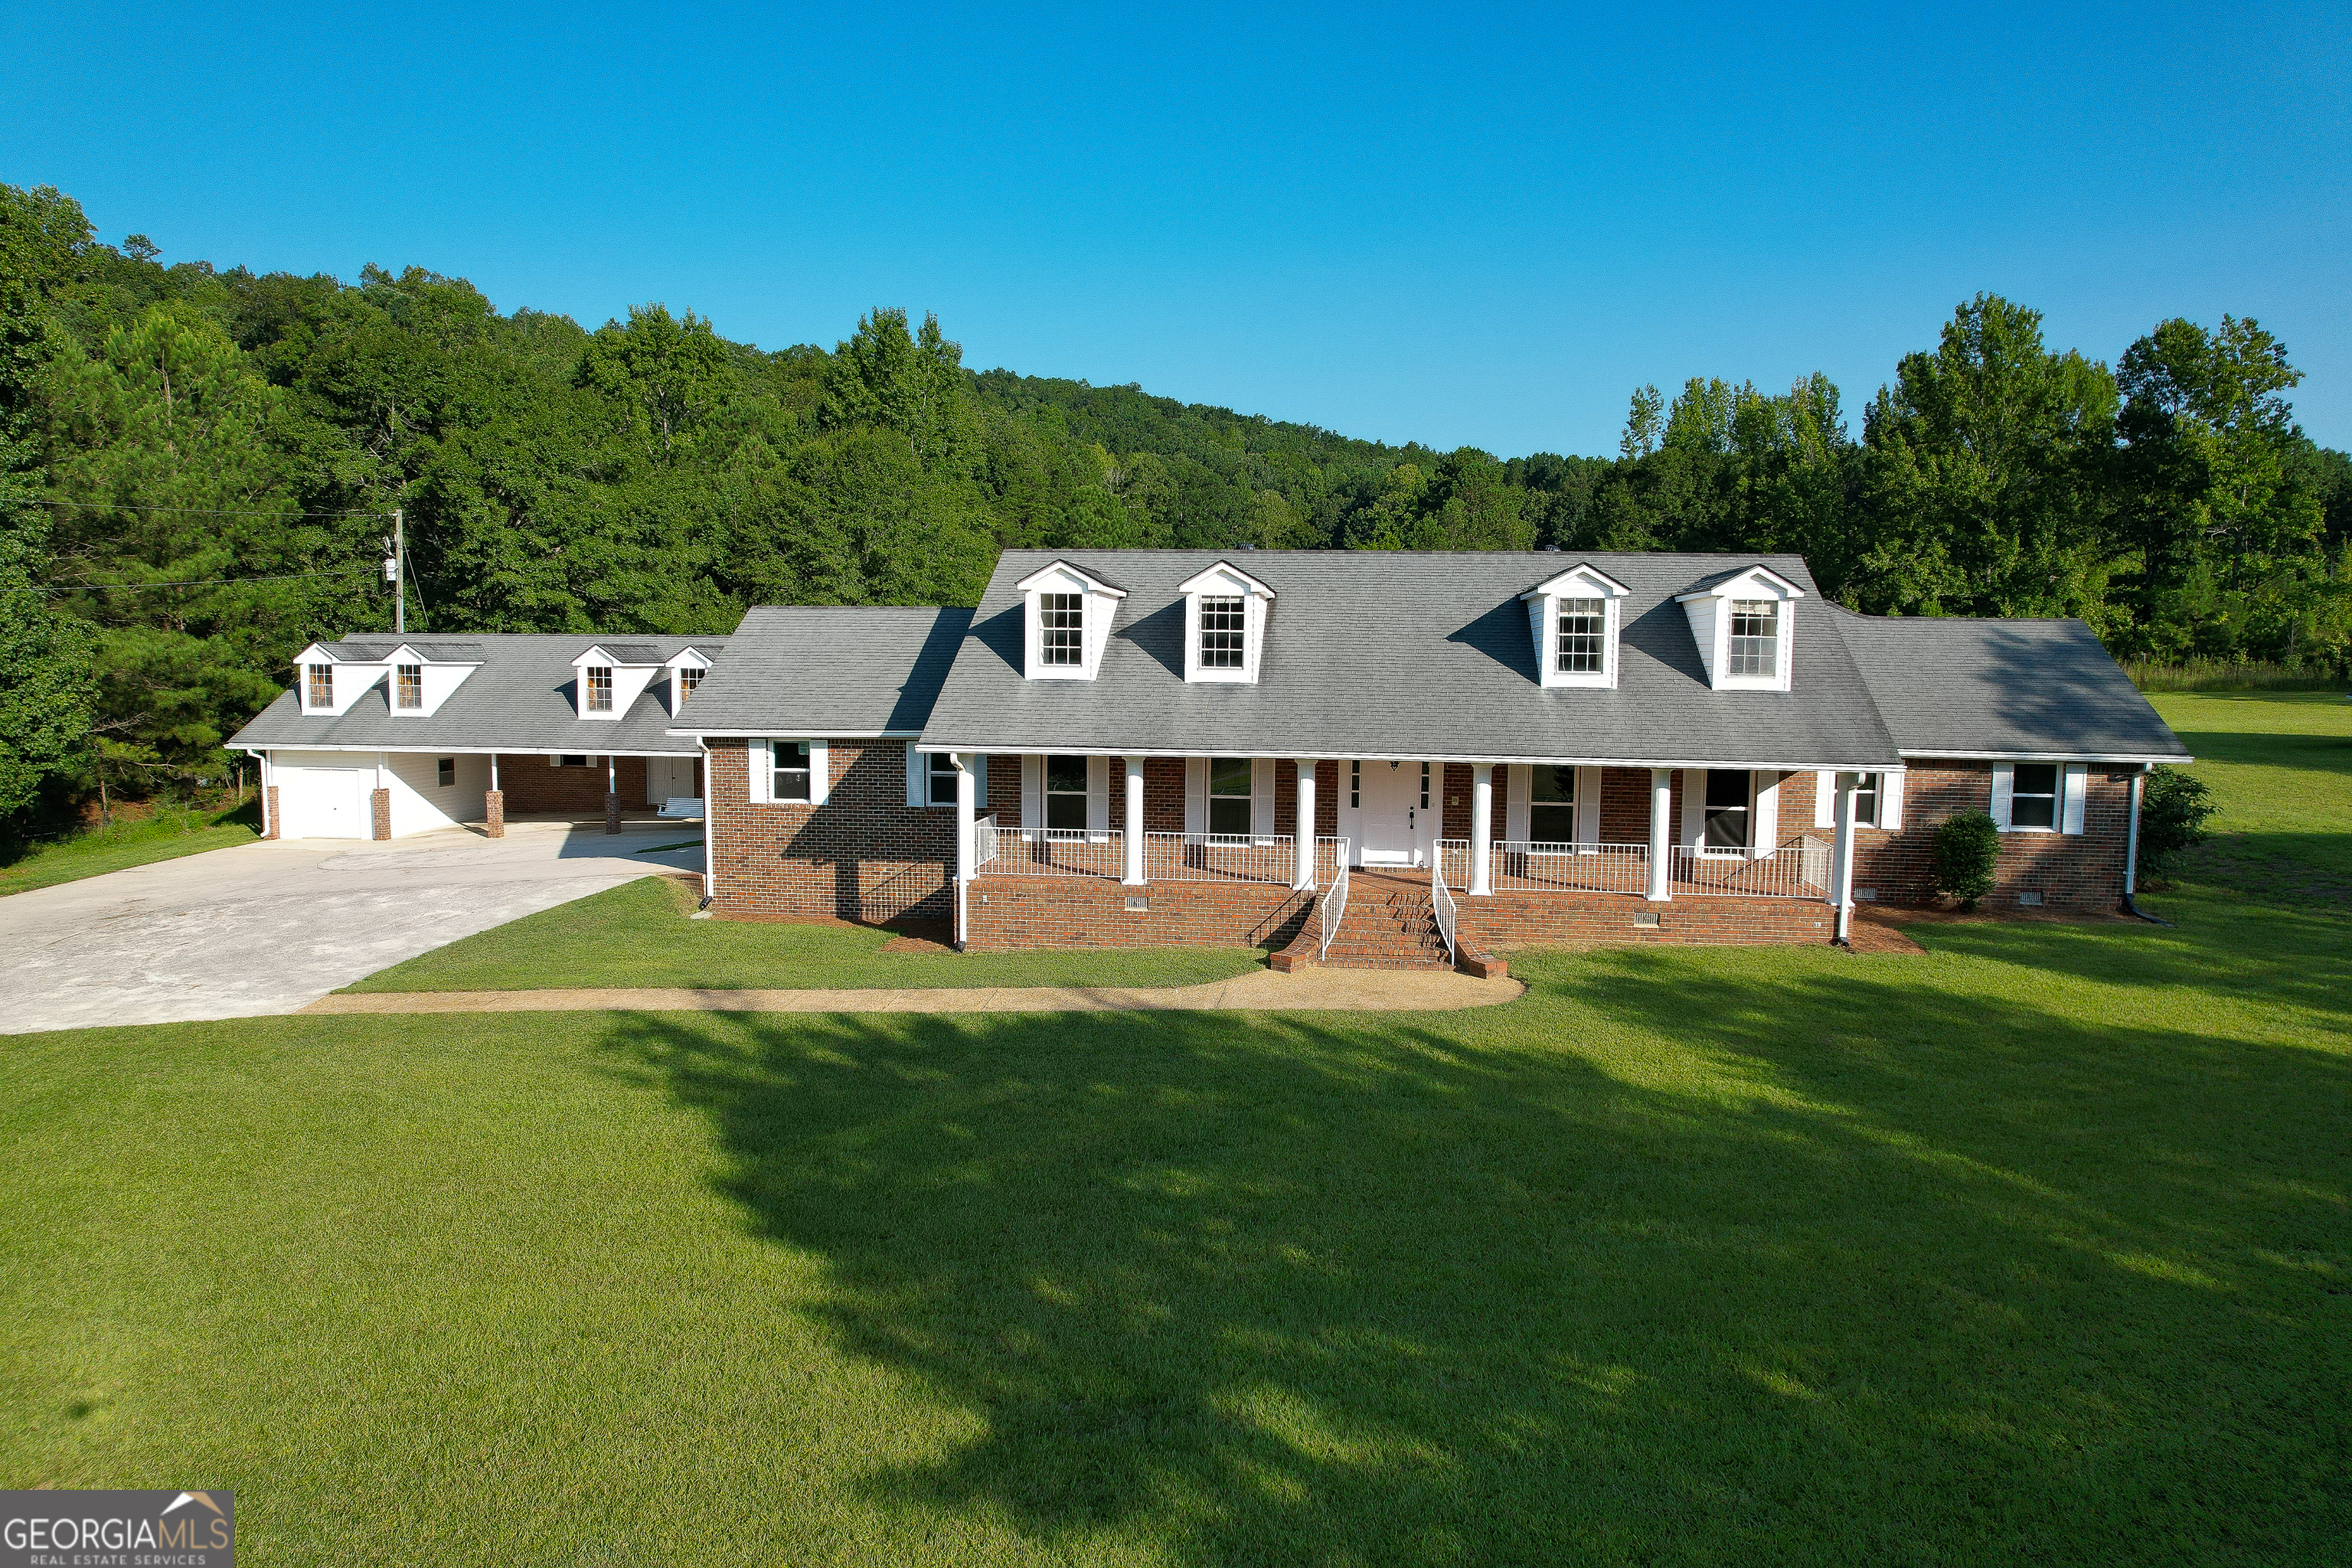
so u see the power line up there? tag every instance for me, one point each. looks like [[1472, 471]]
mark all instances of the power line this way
[[198, 583], [206, 510]]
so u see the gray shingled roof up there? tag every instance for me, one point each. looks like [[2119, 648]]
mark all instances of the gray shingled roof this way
[[1377, 653], [369, 651], [520, 701], [639, 653], [1951, 687], [798, 669]]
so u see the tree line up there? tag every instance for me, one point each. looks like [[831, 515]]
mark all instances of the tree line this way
[[197, 467]]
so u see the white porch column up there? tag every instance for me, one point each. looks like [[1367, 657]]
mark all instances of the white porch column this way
[[966, 814], [1662, 835], [1302, 837], [1132, 871], [1482, 829], [1841, 855]]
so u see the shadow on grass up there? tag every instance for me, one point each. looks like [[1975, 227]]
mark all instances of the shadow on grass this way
[[1840, 1268]]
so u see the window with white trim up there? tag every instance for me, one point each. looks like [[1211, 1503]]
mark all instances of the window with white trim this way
[[1551, 805], [1355, 782], [600, 688], [943, 771], [1727, 809], [1755, 636], [409, 682], [1424, 786], [2033, 796], [571, 760], [1583, 646], [322, 685], [688, 677], [1229, 795], [1865, 801], [792, 772], [1065, 791], [1222, 632], [1062, 629], [445, 772]]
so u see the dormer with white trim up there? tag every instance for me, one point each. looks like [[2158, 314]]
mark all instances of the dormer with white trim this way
[[685, 671], [327, 683], [1225, 611], [1744, 622], [1066, 615], [608, 678], [424, 676], [1575, 617]]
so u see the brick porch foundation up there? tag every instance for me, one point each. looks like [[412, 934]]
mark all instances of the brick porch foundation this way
[[494, 813], [1002, 913], [380, 814], [1511, 920]]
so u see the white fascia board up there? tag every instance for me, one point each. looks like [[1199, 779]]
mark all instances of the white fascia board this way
[[413, 749], [317, 653], [827, 733], [1583, 574], [686, 655], [1729, 587], [1223, 574], [1870, 765], [2144, 759], [1085, 580]]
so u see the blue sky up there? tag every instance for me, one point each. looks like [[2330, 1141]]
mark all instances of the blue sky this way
[[1461, 225]]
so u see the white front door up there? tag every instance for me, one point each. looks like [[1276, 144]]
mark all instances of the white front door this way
[[668, 778], [321, 802], [1394, 813]]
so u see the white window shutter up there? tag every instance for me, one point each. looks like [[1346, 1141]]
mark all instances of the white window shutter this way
[[1587, 795], [820, 772], [1824, 798], [978, 763], [2077, 779], [760, 763], [2004, 790], [1766, 815], [1694, 806], [1098, 796], [1032, 790], [919, 776], [1196, 794], [1519, 788], [1890, 801], [1262, 797]]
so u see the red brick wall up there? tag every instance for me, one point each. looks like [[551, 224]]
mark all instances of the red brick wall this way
[[2081, 871], [865, 854], [1510, 918], [1007, 913], [531, 786], [1625, 806]]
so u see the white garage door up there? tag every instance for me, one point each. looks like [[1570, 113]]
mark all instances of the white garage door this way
[[322, 803]]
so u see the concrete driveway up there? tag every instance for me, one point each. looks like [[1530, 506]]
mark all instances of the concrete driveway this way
[[268, 928]]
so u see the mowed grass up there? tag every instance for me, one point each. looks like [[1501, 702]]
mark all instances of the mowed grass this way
[[2036, 1249], [2281, 768], [166, 835], [638, 934]]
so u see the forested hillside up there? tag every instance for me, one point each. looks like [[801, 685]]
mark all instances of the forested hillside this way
[[198, 465]]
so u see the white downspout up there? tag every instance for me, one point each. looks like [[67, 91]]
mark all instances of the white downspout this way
[[2131, 851], [1662, 835], [709, 870], [1841, 857], [966, 817], [1482, 830], [262, 759]]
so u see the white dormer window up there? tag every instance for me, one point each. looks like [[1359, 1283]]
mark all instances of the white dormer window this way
[[1742, 621], [1066, 622], [608, 678], [600, 688], [409, 684], [1224, 625], [319, 691], [688, 677], [1574, 618]]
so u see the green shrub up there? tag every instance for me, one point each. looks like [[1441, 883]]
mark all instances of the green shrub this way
[[1967, 846], [2172, 815]]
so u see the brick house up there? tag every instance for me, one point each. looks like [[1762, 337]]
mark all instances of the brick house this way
[[1395, 757]]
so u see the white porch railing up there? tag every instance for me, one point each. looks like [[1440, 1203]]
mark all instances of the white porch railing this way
[[1795, 870], [1331, 907], [983, 842], [1217, 857], [1441, 899], [1054, 852]]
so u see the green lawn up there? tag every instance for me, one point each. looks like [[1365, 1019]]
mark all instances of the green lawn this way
[[637, 934], [2037, 1248], [166, 835]]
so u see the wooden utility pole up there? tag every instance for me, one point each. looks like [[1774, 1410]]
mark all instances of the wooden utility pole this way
[[399, 576]]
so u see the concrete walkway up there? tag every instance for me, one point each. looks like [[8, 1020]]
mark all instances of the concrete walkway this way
[[1260, 990], [264, 928]]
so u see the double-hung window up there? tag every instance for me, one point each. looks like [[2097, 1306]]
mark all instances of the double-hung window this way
[[1551, 805], [600, 688], [1229, 796], [1755, 637], [410, 682], [1062, 628], [1583, 637], [942, 776], [1221, 633], [1065, 793], [445, 772], [1865, 801], [322, 685], [688, 677], [792, 772], [1727, 809], [1356, 783], [2033, 799]]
